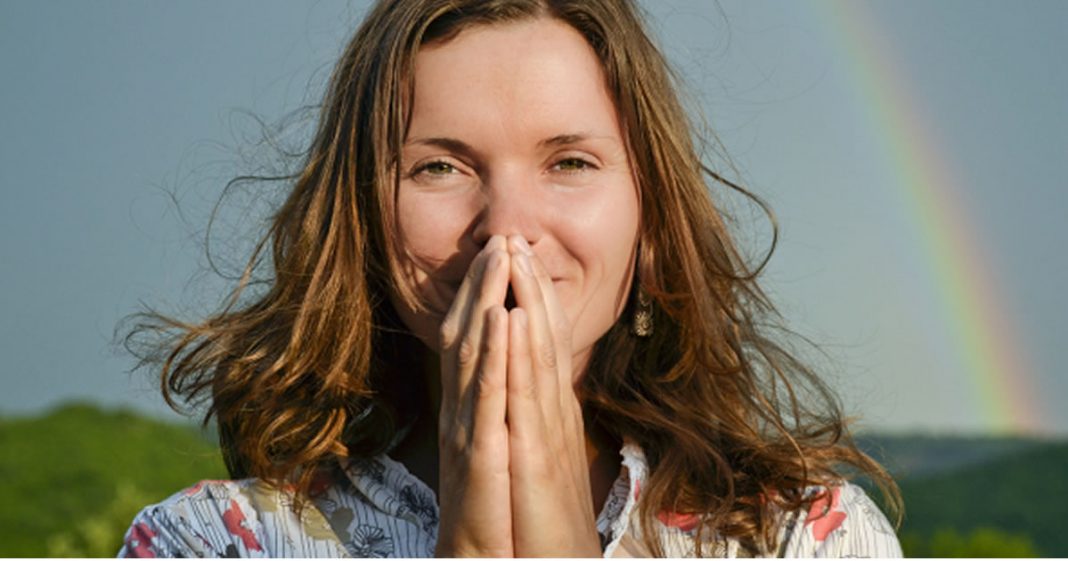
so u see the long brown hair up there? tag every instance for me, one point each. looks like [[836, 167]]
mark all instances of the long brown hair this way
[[735, 429]]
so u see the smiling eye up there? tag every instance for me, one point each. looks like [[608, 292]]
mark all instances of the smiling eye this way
[[436, 168], [573, 165]]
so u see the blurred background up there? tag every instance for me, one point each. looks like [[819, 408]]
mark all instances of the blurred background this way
[[915, 154]]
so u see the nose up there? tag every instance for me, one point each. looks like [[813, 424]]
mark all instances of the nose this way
[[510, 206]]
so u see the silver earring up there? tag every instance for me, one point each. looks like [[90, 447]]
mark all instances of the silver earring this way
[[643, 315]]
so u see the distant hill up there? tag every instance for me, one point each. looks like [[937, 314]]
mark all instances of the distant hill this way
[[74, 478], [916, 456], [973, 496], [1025, 492]]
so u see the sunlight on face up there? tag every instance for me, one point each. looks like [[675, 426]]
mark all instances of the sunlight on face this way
[[513, 131]]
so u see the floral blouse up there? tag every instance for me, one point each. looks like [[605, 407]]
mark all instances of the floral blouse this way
[[378, 509]]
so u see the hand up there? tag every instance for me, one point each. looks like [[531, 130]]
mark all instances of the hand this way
[[551, 505], [474, 483]]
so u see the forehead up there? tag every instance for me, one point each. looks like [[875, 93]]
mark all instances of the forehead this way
[[537, 73]]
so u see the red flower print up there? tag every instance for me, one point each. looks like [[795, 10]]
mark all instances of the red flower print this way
[[824, 516], [234, 520], [139, 543], [684, 522]]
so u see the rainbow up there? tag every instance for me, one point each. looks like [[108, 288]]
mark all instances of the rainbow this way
[[985, 340]]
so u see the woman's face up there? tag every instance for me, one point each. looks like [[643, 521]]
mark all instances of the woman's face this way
[[513, 132]]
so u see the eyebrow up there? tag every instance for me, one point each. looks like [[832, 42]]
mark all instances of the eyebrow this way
[[457, 145], [450, 144], [565, 139]]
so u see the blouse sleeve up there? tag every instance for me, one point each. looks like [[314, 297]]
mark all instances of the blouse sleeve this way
[[158, 532], [207, 520], [845, 522]]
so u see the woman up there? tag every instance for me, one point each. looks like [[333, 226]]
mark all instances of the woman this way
[[506, 319]]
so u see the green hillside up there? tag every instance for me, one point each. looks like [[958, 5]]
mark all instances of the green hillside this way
[[74, 478], [1023, 494]]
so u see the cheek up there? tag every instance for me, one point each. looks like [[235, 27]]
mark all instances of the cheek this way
[[603, 237], [431, 231]]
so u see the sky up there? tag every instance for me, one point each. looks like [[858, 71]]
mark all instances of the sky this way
[[915, 155]]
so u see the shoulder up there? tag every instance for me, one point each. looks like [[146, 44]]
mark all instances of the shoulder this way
[[209, 519], [842, 522], [242, 518]]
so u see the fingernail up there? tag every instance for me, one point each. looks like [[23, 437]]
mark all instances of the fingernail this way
[[522, 245], [520, 316], [524, 264], [494, 260]]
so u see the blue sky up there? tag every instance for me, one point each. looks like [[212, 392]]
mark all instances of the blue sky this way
[[107, 108]]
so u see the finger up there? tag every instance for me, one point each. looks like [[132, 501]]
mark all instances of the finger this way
[[543, 348], [568, 409], [490, 401], [561, 332], [561, 326], [455, 319], [564, 412], [491, 292], [458, 321], [523, 415]]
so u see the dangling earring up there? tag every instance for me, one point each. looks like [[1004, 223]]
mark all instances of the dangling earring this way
[[643, 315]]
